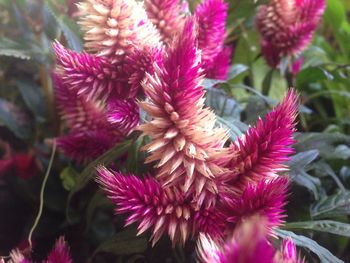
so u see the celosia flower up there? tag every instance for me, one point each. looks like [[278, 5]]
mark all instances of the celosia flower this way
[[266, 200], [165, 15], [186, 146], [287, 26], [211, 16], [288, 253], [94, 125], [261, 153], [164, 211], [89, 75], [114, 27], [248, 245], [220, 65], [59, 254]]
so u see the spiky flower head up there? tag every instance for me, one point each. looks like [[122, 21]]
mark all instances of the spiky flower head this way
[[211, 16], [166, 16], [89, 75], [248, 244], [163, 211], [114, 27], [185, 145], [266, 200], [94, 125], [287, 27], [59, 254], [261, 153], [288, 253]]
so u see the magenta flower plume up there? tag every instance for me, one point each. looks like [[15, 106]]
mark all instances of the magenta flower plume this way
[[114, 27], [60, 253], [266, 200], [94, 126], [166, 16], [264, 149], [247, 245], [287, 27], [211, 16], [163, 211], [288, 253], [89, 75], [220, 65], [185, 144]]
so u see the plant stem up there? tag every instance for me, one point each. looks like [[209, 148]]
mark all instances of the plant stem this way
[[41, 205]]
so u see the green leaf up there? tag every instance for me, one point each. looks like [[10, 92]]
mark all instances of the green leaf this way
[[105, 159], [234, 127], [324, 254], [14, 119], [236, 70], [328, 226], [266, 85], [33, 97], [302, 159], [68, 177], [332, 206], [68, 26], [124, 243], [312, 75], [11, 48]]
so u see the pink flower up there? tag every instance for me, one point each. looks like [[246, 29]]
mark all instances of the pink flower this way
[[165, 15], [185, 145], [287, 27], [85, 74], [163, 211], [220, 65], [247, 245], [114, 27], [261, 153], [59, 254], [288, 253], [266, 200], [94, 125], [211, 16]]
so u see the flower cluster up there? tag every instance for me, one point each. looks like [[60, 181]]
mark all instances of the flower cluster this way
[[249, 243], [287, 27], [59, 254], [200, 184], [96, 90]]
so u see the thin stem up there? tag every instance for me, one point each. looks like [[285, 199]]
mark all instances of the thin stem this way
[[41, 205]]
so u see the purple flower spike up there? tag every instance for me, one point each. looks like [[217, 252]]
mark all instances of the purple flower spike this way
[[287, 27], [266, 199], [88, 75], [163, 211], [264, 149], [211, 16]]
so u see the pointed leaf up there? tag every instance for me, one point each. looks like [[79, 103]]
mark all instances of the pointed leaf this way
[[324, 254]]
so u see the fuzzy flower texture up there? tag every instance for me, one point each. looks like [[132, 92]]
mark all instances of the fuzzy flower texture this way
[[287, 27], [154, 56], [96, 90], [59, 254]]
